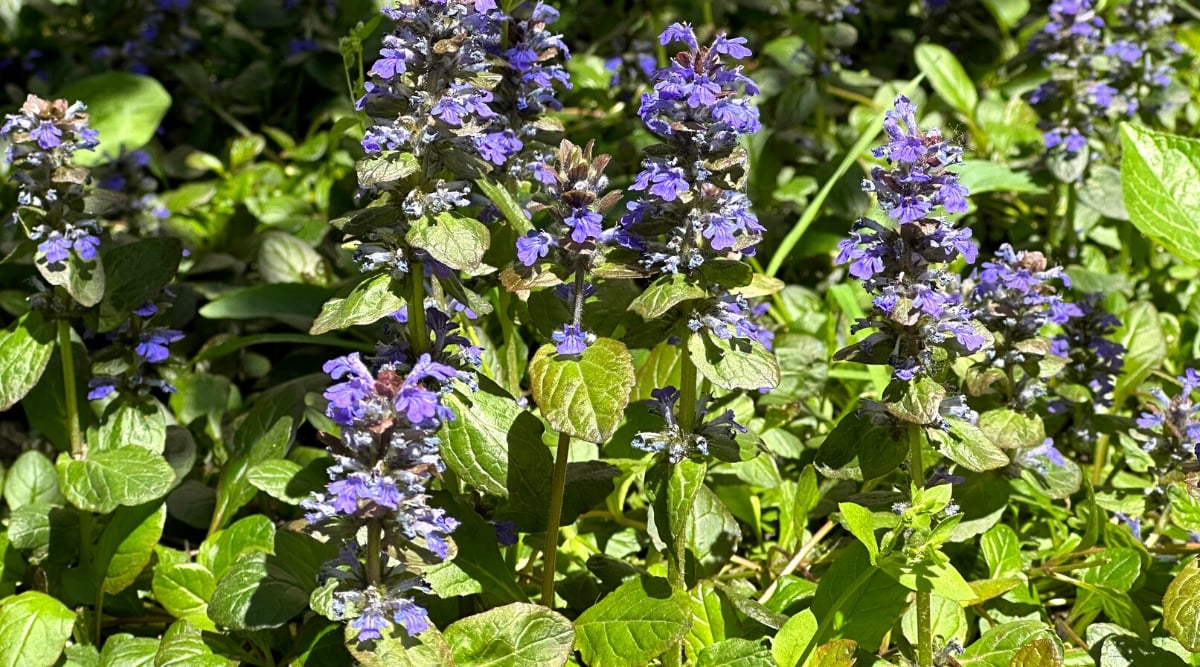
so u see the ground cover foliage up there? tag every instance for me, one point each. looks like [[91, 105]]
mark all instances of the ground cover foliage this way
[[474, 332]]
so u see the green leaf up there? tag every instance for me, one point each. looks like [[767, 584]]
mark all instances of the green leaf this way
[[509, 207], [386, 167], [136, 273], [874, 446], [672, 489], [370, 301], [980, 176], [934, 575], [125, 650], [1009, 429], [1007, 12], [475, 442], [861, 523], [124, 108], [400, 650], [126, 545], [919, 402], [184, 589], [34, 628], [1156, 172], [856, 600], [517, 635], [949, 620], [183, 646], [479, 556], [283, 258], [583, 396], [967, 445], [734, 363], [1002, 551], [712, 534], [664, 294], [735, 653], [456, 241], [25, 350], [222, 549], [947, 76], [794, 639], [294, 305], [1141, 333], [110, 478], [1181, 607], [266, 432], [258, 593], [714, 619], [286, 480], [631, 626], [133, 421], [83, 280], [31, 480], [999, 645]]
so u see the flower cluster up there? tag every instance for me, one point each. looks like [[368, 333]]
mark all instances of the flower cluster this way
[[573, 194], [137, 348], [679, 441], [163, 35], [423, 95], [51, 188], [1014, 297], [1097, 70], [918, 308], [1094, 359], [534, 56], [693, 209], [389, 408], [129, 175], [700, 108], [1174, 422]]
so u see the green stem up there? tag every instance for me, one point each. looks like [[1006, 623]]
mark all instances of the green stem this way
[[417, 334], [374, 551], [557, 489], [677, 553], [68, 369], [1100, 458], [924, 606], [1069, 235]]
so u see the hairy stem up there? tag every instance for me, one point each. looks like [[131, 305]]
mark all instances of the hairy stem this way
[[68, 369], [558, 487], [924, 614]]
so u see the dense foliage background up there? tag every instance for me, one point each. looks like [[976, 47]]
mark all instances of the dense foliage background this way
[[1019, 488]]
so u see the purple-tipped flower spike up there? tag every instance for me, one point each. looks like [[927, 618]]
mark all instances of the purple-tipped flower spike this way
[[135, 348], [1095, 360], [1015, 297], [917, 304], [1174, 423], [44, 135], [677, 441], [1100, 71], [700, 107], [389, 409]]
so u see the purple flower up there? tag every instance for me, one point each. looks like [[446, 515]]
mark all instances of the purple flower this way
[[411, 617], [47, 135], [101, 387], [682, 32], [154, 342], [584, 224], [570, 340], [666, 183], [370, 625], [534, 245], [497, 147]]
